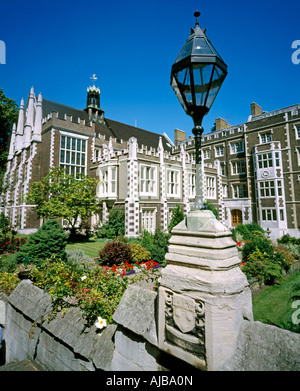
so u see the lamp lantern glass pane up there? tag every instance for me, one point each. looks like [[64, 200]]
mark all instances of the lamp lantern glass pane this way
[[197, 74]]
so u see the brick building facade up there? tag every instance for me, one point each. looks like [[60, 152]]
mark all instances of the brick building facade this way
[[259, 163], [250, 171]]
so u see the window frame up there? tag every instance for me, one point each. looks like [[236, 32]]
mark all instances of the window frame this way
[[219, 150], [297, 131], [235, 167], [234, 149], [268, 212], [191, 185], [239, 190], [73, 149], [265, 157], [146, 182], [206, 153], [107, 181], [175, 185], [145, 213], [211, 191], [267, 189]]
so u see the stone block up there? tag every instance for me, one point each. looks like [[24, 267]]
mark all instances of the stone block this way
[[263, 347], [69, 329], [2, 313], [20, 337], [104, 351], [31, 300], [136, 312], [134, 354], [55, 356]]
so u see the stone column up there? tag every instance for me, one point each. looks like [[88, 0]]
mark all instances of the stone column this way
[[203, 294], [162, 188], [132, 206]]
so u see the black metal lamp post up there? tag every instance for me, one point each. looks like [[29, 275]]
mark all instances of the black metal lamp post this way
[[196, 78]]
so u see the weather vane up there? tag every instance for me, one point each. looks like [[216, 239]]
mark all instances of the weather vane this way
[[94, 78]]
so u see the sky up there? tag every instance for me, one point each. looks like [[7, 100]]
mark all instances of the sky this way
[[56, 46]]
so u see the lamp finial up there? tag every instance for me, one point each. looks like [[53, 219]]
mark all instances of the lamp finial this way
[[197, 14]]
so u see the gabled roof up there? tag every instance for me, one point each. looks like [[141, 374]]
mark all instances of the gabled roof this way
[[109, 127], [49, 106], [123, 131]]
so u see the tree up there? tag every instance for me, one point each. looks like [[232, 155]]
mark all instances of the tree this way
[[8, 115], [60, 195], [176, 218], [212, 208], [50, 238], [114, 226]]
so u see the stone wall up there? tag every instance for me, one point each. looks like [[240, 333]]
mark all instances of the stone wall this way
[[62, 344], [263, 347], [66, 344]]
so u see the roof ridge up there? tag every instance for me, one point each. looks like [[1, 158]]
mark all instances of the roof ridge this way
[[134, 127], [62, 104]]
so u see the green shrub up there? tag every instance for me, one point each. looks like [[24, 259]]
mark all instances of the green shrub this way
[[284, 258], [255, 265], [254, 227], [241, 232], [139, 253], [263, 267], [176, 218], [212, 208], [293, 249], [4, 223], [273, 272], [156, 244], [78, 257], [247, 232], [49, 239], [287, 239], [115, 253], [264, 245], [115, 225], [292, 317], [257, 235], [8, 282], [8, 263]]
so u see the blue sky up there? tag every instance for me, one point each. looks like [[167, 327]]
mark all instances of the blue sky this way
[[131, 45]]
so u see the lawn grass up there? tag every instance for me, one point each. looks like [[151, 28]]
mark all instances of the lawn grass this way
[[272, 304], [91, 248]]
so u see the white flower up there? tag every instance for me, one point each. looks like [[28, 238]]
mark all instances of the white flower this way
[[83, 278], [100, 323]]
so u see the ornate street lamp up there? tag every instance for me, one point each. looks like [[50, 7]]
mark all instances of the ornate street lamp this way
[[196, 78]]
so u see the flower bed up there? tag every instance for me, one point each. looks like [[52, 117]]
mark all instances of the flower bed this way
[[96, 290], [10, 243], [128, 268]]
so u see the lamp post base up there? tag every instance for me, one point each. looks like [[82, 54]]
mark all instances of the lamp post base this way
[[203, 295]]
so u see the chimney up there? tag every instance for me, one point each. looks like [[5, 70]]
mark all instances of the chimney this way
[[255, 109], [179, 135], [221, 124]]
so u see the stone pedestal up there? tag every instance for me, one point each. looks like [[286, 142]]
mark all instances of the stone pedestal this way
[[203, 294]]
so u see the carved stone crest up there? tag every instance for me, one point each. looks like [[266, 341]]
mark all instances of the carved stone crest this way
[[184, 313], [184, 324]]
